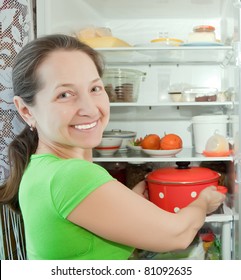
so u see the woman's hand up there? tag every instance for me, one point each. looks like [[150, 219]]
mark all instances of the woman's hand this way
[[141, 189], [212, 197]]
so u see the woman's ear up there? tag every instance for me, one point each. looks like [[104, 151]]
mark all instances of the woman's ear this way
[[24, 110]]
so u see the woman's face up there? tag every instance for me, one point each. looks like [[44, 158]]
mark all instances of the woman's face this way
[[72, 108]]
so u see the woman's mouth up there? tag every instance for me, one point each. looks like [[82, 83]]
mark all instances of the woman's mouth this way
[[85, 126]]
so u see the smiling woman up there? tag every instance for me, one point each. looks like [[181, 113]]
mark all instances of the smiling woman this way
[[75, 104], [71, 207]]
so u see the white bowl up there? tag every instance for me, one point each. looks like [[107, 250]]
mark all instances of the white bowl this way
[[108, 146], [126, 136]]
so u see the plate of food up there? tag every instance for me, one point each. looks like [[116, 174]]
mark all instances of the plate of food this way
[[161, 153]]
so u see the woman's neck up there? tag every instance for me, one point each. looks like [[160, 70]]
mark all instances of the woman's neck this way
[[65, 152]]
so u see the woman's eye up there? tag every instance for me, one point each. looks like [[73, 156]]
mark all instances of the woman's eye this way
[[96, 89], [64, 95]]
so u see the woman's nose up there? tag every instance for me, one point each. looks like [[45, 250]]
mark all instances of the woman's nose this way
[[87, 105]]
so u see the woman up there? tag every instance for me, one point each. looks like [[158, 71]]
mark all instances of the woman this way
[[72, 208]]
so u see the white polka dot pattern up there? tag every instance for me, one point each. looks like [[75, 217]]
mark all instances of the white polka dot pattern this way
[[161, 195], [193, 194], [176, 209]]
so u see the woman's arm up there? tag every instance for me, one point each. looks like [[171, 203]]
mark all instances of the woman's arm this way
[[117, 213]]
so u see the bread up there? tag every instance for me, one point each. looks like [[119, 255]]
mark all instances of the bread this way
[[105, 42], [100, 37]]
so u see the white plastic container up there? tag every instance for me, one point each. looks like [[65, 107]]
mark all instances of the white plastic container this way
[[204, 126], [199, 94]]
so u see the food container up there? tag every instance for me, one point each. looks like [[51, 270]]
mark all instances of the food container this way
[[199, 94], [175, 96], [126, 136], [175, 91], [202, 34], [122, 85], [173, 188], [204, 126], [217, 145]]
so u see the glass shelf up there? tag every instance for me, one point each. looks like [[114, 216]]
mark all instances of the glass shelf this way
[[166, 103], [226, 216], [168, 55], [187, 154]]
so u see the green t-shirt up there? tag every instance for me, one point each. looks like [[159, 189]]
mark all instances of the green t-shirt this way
[[50, 189]]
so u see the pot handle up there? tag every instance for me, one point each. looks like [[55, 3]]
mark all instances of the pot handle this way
[[222, 189], [183, 164]]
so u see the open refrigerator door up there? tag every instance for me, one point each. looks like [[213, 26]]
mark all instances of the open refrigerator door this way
[[236, 134]]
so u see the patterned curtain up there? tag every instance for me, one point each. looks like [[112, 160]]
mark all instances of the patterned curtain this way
[[16, 29]]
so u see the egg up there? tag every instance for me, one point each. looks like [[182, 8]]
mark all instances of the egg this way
[[217, 143]]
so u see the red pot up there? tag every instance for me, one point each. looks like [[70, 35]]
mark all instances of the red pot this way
[[174, 188]]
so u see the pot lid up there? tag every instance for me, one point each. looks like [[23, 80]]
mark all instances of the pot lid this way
[[183, 175], [119, 133]]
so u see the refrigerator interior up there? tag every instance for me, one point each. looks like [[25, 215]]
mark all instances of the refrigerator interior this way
[[137, 22]]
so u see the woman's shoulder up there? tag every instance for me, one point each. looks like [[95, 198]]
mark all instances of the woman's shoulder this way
[[62, 166]]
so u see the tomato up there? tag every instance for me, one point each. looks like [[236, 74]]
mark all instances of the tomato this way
[[151, 142], [171, 142]]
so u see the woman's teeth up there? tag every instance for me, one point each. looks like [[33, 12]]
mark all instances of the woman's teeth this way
[[85, 126]]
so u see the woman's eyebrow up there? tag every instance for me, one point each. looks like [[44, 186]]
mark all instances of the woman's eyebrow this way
[[72, 85], [64, 85], [96, 80]]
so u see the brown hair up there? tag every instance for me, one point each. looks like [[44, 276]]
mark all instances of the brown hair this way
[[26, 84]]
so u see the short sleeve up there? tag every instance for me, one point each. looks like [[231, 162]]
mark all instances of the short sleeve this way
[[74, 181]]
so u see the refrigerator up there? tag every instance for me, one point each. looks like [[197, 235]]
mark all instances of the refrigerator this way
[[155, 38]]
